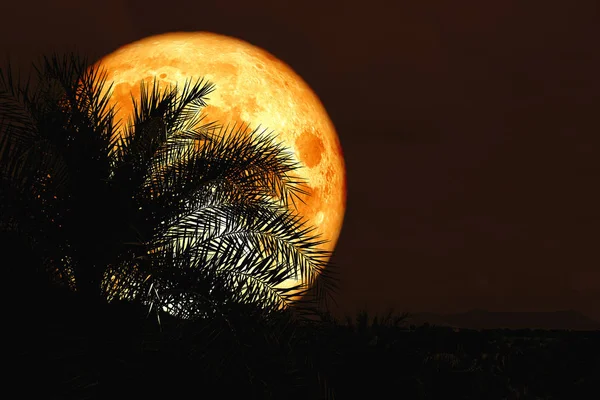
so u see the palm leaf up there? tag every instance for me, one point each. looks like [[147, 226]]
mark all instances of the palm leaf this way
[[238, 162], [159, 115]]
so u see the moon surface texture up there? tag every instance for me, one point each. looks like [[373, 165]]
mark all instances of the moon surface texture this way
[[254, 88]]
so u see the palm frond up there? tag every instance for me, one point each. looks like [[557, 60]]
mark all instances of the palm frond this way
[[260, 160], [239, 162], [14, 117], [277, 232], [12, 95], [255, 251], [70, 96], [157, 116], [95, 105]]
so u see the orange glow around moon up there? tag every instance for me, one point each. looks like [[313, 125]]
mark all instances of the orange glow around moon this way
[[252, 88]]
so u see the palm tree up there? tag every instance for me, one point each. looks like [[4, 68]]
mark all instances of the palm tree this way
[[185, 216]]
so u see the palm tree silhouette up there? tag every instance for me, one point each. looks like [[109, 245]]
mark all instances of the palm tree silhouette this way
[[189, 218]]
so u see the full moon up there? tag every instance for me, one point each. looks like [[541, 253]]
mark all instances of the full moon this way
[[254, 88]]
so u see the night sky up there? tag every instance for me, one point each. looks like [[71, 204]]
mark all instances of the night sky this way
[[471, 133]]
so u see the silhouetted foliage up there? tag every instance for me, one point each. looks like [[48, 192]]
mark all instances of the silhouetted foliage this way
[[184, 215], [110, 220]]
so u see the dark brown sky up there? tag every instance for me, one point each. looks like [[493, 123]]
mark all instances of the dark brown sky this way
[[471, 132]]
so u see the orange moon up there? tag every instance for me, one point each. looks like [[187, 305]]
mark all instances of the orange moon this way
[[252, 87]]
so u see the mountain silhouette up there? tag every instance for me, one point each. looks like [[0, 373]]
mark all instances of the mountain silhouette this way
[[483, 319]]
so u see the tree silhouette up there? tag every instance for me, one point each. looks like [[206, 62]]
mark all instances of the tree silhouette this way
[[185, 216]]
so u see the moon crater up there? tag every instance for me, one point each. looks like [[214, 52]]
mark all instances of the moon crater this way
[[311, 148]]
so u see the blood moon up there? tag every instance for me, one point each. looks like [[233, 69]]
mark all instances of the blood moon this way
[[252, 88]]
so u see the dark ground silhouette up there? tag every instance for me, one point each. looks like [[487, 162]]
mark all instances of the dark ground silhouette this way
[[64, 348]]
